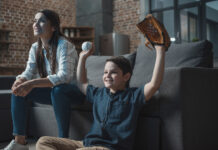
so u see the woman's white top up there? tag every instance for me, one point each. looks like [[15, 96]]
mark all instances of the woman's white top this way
[[66, 63]]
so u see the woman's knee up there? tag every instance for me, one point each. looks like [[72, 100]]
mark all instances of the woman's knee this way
[[66, 89], [67, 92], [58, 90], [17, 102], [59, 95]]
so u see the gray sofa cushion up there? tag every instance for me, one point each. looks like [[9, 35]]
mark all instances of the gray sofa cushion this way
[[196, 54], [95, 68]]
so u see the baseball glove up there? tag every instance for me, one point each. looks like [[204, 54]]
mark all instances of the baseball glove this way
[[154, 32]]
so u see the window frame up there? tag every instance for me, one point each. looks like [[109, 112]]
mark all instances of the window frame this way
[[201, 22]]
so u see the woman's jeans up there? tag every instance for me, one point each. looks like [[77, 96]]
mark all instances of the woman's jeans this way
[[60, 96]]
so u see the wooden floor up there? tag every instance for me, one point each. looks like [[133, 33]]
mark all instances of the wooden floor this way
[[31, 144]]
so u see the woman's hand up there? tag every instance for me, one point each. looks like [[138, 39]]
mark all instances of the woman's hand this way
[[23, 89], [17, 82]]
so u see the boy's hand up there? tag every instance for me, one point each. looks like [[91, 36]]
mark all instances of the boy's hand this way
[[160, 48], [85, 54], [154, 32], [81, 70]]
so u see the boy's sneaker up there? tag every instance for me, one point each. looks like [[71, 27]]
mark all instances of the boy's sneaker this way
[[16, 146], [154, 32]]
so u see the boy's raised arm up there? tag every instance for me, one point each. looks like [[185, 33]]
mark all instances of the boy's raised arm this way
[[151, 87], [81, 70], [156, 35]]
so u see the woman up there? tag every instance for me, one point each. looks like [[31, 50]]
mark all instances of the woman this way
[[50, 69]]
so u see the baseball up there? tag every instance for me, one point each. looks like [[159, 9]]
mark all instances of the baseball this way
[[86, 46]]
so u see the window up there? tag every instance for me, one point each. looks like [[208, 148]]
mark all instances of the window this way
[[186, 1], [161, 4], [166, 17], [188, 20], [212, 25], [188, 24]]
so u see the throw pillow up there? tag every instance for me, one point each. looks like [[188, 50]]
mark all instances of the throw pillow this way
[[195, 54]]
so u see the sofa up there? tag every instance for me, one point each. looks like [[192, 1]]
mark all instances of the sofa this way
[[182, 115]]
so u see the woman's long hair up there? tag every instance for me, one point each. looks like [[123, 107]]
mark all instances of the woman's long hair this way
[[54, 19]]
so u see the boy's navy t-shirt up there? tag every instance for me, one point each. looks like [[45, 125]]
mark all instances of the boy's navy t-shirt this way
[[115, 117]]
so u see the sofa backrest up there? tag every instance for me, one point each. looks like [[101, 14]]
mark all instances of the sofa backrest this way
[[95, 68], [195, 54], [215, 63]]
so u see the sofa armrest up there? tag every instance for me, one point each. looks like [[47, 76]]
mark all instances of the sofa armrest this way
[[5, 107], [6, 82], [188, 99]]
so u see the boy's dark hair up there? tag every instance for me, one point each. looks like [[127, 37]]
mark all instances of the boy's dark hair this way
[[123, 63]]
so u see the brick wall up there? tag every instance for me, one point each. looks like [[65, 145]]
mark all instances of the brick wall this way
[[18, 15], [125, 16]]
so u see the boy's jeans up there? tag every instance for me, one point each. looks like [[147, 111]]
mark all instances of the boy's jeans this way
[[54, 143], [60, 96]]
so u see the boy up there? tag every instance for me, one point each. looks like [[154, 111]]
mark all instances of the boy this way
[[115, 107]]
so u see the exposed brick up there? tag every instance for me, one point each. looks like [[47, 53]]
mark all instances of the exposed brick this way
[[125, 17], [18, 16]]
